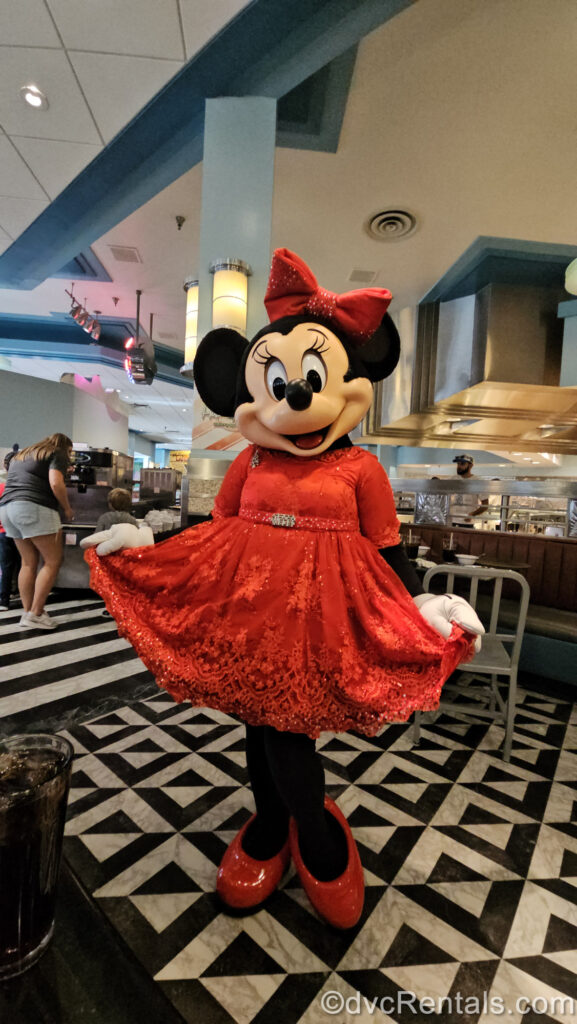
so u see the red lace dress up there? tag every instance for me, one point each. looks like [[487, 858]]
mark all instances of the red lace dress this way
[[281, 609]]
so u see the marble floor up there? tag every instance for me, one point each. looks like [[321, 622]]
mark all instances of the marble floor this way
[[470, 863]]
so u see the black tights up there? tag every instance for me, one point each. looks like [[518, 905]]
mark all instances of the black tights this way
[[287, 779]]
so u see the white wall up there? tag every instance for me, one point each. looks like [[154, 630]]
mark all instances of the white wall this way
[[136, 443], [96, 423], [31, 409]]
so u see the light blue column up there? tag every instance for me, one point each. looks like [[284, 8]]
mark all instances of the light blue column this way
[[237, 190], [569, 360]]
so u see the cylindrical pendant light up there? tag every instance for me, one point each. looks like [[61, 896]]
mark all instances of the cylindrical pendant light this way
[[191, 329], [191, 326], [230, 293], [571, 278]]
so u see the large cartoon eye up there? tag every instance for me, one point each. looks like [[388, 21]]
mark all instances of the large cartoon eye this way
[[276, 379], [314, 370]]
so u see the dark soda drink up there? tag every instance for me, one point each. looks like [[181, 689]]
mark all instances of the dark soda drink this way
[[34, 781]]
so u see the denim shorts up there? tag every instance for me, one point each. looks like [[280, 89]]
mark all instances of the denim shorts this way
[[25, 519]]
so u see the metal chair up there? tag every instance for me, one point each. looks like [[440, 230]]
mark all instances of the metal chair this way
[[499, 655]]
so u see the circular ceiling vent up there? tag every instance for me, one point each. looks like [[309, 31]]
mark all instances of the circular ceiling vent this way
[[391, 225]]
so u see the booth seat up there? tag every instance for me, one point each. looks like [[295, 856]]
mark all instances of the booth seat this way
[[550, 642]]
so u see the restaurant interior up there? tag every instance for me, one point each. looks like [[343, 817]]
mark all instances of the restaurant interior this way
[[153, 154]]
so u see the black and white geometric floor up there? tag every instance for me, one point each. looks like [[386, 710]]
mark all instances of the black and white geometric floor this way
[[55, 678], [470, 863]]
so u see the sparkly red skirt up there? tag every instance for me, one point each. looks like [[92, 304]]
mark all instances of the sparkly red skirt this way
[[302, 630]]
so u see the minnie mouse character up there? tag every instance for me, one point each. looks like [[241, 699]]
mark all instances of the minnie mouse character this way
[[296, 607]]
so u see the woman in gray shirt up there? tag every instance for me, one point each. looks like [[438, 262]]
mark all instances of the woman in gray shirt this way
[[35, 488]]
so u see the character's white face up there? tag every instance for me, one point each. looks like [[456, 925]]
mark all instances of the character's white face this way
[[302, 404]]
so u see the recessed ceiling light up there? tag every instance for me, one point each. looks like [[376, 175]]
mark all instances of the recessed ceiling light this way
[[34, 97]]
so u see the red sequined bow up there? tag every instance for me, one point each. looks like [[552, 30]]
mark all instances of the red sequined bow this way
[[293, 290]]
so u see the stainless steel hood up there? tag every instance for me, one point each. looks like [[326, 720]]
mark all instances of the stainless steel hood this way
[[485, 375]]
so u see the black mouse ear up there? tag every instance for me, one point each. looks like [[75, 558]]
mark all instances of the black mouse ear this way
[[216, 365], [380, 354]]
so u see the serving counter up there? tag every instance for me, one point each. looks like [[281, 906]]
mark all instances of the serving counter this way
[[74, 573], [547, 506]]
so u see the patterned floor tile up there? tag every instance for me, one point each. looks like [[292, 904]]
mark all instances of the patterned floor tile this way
[[470, 863], [448, 835]]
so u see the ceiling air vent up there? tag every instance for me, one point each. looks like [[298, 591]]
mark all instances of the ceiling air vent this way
[[391, 225], [125, 253], [362, 276]]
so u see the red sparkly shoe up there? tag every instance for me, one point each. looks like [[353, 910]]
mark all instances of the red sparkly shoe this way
[[242, 882], [340, 902]]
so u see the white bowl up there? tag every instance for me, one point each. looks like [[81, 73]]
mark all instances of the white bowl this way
[[467, 559], [423, 548]]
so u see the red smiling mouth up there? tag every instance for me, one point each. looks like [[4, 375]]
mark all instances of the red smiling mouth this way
[[308, 441]]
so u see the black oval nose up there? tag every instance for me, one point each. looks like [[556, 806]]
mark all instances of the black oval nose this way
[[299, 394]]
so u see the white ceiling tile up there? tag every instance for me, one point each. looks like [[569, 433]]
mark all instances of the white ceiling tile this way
[[201, 22], [26, 23], [147, 28], [67, 116], [17, 214], [117, 88], [5, 241], [16, 179], [55, 164]]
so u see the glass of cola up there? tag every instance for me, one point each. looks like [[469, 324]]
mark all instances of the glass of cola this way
[[34, 782]]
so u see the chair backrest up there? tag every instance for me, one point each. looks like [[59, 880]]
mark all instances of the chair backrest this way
[[476, 573]]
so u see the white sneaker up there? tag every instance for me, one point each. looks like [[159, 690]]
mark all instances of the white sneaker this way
[[4, 608], [38, 621]]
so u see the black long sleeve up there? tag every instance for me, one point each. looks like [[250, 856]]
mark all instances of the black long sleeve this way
[[396, 557]]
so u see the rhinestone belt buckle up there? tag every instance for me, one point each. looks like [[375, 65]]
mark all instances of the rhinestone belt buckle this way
[[282, 519]]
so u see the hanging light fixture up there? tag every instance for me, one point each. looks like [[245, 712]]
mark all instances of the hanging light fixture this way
[[230, 293], [139, 362], [571, 278], [82, 317], [191, 329], [191, 326]]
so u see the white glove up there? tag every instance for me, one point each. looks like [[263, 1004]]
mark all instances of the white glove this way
[[442, 610], [118, 538]]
